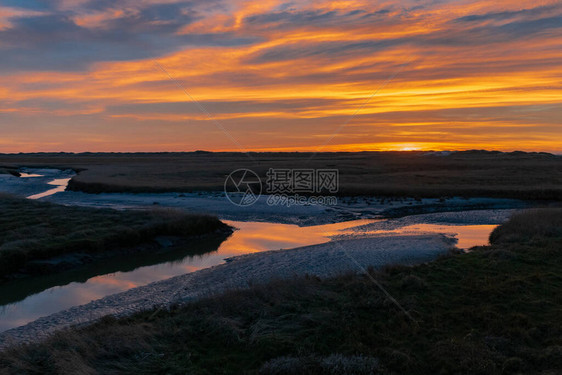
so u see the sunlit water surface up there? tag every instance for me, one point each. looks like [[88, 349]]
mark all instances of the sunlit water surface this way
[[60, 184], [24, 301]]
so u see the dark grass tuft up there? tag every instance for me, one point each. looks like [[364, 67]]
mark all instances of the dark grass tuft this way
[[529, 225]]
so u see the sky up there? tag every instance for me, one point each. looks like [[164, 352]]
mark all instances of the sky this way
[[308, 75]]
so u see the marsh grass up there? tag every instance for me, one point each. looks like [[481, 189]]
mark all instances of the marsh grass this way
[[529, 225], [394, 174], [495, 310], [33, 230]]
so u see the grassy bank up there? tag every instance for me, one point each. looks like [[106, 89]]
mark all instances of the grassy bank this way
[[495, 310], [10, 171], [412, 174], [31, 231]]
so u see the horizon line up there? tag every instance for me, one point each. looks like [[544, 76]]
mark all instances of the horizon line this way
[[264, 151]]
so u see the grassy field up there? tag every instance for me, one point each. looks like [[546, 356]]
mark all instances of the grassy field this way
[[414, 174], [495, 310], [32, 231]]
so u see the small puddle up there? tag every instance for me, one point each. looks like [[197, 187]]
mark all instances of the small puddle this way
[[60, 183], [467, 235], [28, 175]]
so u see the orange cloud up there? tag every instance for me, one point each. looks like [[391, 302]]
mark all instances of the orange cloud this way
[[286, 76]]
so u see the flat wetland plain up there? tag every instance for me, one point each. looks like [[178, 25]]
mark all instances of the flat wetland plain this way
[[493, 310], [412, 174]]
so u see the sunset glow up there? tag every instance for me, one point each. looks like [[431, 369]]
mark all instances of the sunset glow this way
[[280, 76]]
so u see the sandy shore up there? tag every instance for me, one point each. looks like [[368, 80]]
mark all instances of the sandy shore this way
[[322, 260]]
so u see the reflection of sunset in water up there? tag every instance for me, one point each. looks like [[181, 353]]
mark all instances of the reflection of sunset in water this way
[[251, 237], [254, 237], [108, 280], [467, 235], [60, 184]]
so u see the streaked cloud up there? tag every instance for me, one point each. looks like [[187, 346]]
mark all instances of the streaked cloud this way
[[80, 75]]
